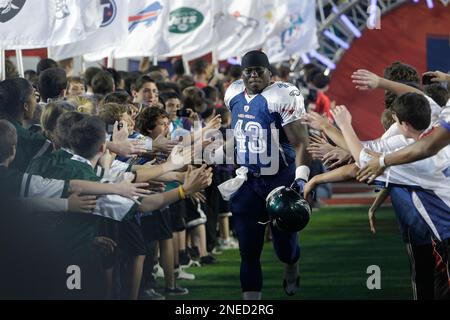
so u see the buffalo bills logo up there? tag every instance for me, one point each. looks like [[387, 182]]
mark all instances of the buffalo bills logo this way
[[9, 9], [109, 12], [147, 16]]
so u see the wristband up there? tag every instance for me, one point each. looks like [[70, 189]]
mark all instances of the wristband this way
[[181, 193], [302, 173]]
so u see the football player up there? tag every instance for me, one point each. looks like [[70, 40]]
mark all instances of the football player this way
[[271, 150]]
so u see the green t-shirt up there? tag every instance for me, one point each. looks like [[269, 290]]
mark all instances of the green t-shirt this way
[[44, 165], [29, 145]]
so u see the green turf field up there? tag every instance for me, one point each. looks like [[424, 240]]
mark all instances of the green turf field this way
[[337, 248]]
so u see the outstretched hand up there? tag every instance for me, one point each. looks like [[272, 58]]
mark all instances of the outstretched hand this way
[[342, 116], [314, 120], [365, 80]]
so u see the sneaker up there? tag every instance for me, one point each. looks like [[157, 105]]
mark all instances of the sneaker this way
[[207, 260], [177, 291], [189, 264], [151, 294], [158, 271], [217, 251], [291, 280], [227, 244], [183, 275]]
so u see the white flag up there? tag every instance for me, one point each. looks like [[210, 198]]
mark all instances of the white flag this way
[[300, 35], [145, 38], [275, 12], [26, 24], [189, 27], [113, 32], [238, 27]]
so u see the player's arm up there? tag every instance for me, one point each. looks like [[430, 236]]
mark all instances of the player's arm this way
[[298, 137], [343, 173], [424, 148]]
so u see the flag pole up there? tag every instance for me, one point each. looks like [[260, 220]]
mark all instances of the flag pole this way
[[19, 58], [2, 64], [110, 63], [187, 70], [83, 65], [155, 60], [215, 61]]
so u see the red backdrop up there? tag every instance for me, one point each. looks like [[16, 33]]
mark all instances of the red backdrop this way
[[402, 38]]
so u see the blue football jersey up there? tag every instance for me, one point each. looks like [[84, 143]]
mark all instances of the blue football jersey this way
[[258, 121]]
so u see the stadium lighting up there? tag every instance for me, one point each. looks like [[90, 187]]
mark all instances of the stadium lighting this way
[[305, 58], [336, 39], [322, 59], [233, 61], [430, 4], [348, 23]]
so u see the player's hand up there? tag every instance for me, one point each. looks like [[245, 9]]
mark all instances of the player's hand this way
[[342, 116], [336, 158], [372, 221], [81, 204], [438, 76], [315, 121], [105, 245], [373, 169], [365, 80]]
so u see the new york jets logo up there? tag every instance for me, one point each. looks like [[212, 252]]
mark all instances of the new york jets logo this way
[[9, 9], [109, 12], [184, 20]]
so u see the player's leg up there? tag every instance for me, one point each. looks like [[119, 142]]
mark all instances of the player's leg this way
[[288, 251], [247, 207], [251, 240]]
